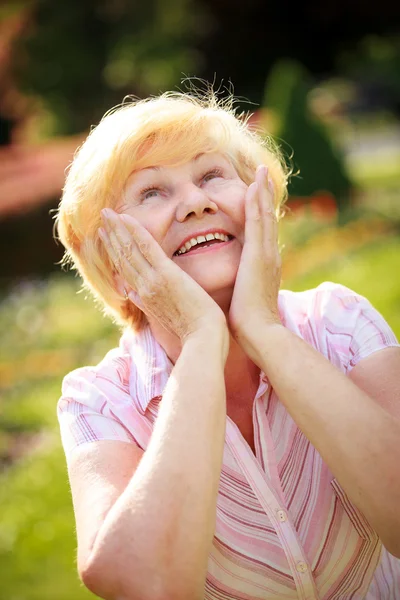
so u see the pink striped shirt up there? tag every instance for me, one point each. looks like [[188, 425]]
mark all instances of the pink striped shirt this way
[[285, 528]]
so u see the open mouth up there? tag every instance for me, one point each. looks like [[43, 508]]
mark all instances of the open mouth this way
[[205, 246]]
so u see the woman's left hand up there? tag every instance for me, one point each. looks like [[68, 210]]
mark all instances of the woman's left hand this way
[[255, 296]]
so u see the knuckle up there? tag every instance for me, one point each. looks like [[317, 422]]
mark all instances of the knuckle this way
[[123, 263], [117, 262], [150, 289], [144, 247], [269, 255], [157, 287]]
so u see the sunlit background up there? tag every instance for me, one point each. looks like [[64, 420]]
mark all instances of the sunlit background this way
[[322, 78]]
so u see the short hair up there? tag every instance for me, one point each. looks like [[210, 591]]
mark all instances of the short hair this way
[[169, 129]]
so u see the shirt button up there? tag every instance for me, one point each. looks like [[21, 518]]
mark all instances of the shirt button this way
[[281, 515], [301, 567]]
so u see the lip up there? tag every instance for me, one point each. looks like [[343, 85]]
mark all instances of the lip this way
[[197, 233], [203, 249]]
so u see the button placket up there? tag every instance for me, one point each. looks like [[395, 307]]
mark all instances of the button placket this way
[[285, 530], [282, 516], [301, 567]]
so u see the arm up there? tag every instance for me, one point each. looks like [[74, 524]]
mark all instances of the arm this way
[[356, 433], [155, 540], [357, 438]]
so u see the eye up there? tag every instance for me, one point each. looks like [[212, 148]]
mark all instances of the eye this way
[[149, 192], [212, 174]]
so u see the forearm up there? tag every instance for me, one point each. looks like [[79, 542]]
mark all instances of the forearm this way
[[355, 436], [160, 530]]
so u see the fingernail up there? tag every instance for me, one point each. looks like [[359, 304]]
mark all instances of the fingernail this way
[[107, 213]]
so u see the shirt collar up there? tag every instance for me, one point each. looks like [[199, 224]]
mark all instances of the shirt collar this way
[[151, 367]]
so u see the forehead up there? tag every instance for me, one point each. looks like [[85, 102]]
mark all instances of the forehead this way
[[200, 159]]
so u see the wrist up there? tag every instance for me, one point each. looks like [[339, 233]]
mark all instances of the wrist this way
[[259, 335], [211, 341]]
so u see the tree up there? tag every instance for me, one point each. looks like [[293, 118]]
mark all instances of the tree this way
[[83, 56], [320, 166]]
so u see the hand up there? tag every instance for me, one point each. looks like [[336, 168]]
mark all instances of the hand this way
[[154, 283], [255, 295]]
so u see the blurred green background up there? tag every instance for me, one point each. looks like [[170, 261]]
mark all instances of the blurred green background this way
[[325, 82]]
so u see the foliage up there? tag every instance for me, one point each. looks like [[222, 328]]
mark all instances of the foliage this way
[[46, 330], [374, 63], [83, 57], [41, 320], [319, 163], [37, 537], [303, 253], [369, 270]]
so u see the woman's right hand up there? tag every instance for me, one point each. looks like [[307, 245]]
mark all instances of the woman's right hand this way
[[155, 283]]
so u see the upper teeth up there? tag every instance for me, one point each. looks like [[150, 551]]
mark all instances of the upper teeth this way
[[202, 238]]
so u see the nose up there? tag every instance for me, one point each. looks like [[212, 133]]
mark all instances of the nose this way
[[194, 201]]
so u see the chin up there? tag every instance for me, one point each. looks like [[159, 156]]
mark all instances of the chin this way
[[220, 291], [214, 275]]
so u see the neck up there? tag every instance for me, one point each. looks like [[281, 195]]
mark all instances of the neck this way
[[241, 374]]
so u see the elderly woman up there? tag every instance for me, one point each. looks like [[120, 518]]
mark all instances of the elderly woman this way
[[242, 441]]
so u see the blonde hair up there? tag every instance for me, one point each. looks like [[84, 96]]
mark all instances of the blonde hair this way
[[170, 129]]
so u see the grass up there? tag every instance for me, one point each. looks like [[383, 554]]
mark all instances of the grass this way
[[37, 542], [46, 329], [371, 270]]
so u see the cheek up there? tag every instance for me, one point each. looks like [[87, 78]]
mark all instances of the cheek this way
[[237, 212], [235, 203], [242, 207], [151, 220]]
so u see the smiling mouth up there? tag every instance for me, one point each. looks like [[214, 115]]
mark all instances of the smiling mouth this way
[[205, 246]]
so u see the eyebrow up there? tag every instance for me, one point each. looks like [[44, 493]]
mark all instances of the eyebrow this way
[[158, 168]]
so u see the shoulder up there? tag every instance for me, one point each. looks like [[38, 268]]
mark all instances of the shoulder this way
[[110, 373], [96, 402], [327, 299], [108, 384], [337, 321], [127, 378]]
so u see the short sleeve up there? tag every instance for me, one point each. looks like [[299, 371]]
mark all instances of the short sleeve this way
[[354, 328], [87, 410]]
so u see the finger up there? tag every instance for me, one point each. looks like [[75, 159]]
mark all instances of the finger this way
[[148, 246], [118, 259], [253, 225], [120, 233], [129, 230], [122, 241], [112, 222], [132, 277], [127, 277], [121, 285], [132, 265], [112, 253], [270, 223], [266, 190], [262, 181], [271, 230]]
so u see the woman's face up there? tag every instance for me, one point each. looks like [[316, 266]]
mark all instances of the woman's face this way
[[176, 204]]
